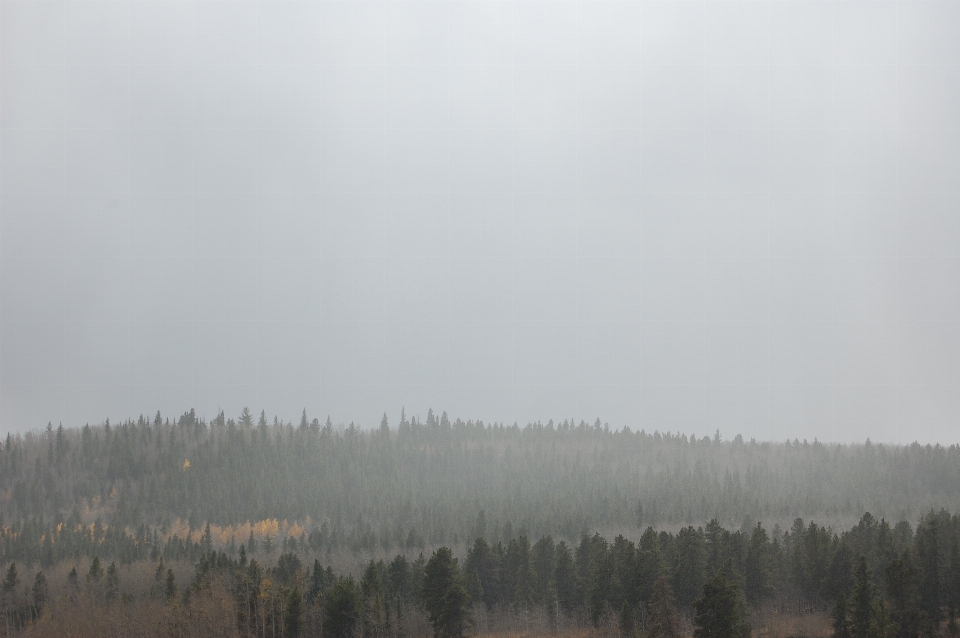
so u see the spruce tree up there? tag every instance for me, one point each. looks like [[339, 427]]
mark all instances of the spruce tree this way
[[758, 568], [12, 581], [862, 602], [113, 582], [342, 609], [41, 594], [900, 578], [841, 618], [663, 619], [445, 596], [96, 570], [565, 577], [293, 615], [170, 587], [721, 611]]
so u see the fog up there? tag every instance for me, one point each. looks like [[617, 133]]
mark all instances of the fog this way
[[685, 216]]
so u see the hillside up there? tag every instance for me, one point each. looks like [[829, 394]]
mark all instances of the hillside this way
[[435, 482]]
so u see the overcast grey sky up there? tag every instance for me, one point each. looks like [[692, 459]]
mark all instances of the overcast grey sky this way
[[671, 215]]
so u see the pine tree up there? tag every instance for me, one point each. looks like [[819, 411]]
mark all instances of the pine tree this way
[[73, 580], [113, 582], [883, 625], [690, 567], [928, 556], [862, 601], [342, 610], [841, 618], [663, 619], [12, 580], [170, 587], [41, 594], [445, 596], [293, 615], [371, 590], [721, 611], [900, 578], [206, 541], [96, 570], [650, 564], [758, 568], [565, 577]]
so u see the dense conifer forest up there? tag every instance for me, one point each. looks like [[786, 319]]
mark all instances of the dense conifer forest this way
[[256, 528]]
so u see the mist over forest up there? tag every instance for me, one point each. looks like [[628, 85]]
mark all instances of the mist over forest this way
[[253, 527], [728, 228], [424, 483]]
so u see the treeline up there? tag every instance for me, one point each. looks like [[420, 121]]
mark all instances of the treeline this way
[[875, 580], [422, 483]]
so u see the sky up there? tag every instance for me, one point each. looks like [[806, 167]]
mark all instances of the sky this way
[[675, 216]]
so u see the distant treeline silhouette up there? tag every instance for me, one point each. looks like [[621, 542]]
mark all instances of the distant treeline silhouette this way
[[127, 490]]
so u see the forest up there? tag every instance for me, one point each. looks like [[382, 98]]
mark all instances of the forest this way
[[872, 580], [246, 527]]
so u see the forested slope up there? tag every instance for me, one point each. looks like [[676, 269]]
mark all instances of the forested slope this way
[[438, 482], [875, 580]]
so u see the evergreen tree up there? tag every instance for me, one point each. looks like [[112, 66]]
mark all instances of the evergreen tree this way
[[445, 596], [839, 578], [883, 625], [293, 615], [73, 580], [690, 567], [721, 611], [862, 601], [96, 571], [342, 609], [41, 594], [12, 581], [650, 564], [371, 591], [170, 587], [758, 569], [953, 582], [928, 557], [663, 619], [482, 573], [900, 578], [841, 618], [565, 577], [113, 582]]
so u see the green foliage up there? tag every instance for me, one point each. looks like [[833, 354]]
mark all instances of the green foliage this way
[[862, 602], [418, 485], [95, 573], [690, 566], [293, 614], [758, 572], [170, 587], [928, 556], [841, 618], [445, 596], [41, 593], [663, 619], [565, 577], [342, 609], [113, 582], [372, 593], [11, 581], [721, 612], [900, 578]]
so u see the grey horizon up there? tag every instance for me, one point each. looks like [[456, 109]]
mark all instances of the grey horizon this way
[[688, 216]]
